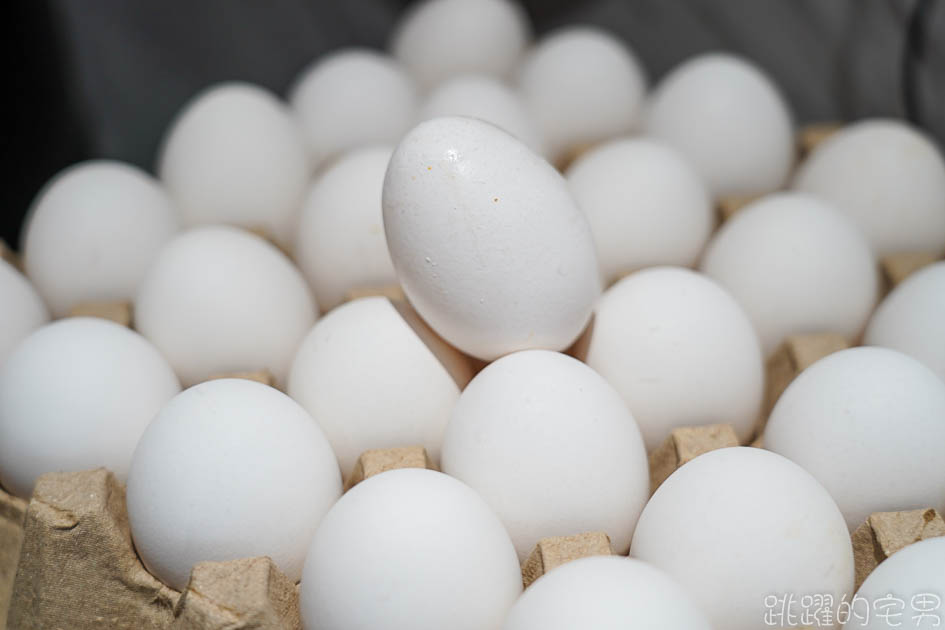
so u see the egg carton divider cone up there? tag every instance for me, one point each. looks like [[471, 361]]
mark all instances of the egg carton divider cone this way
[[375, 461], [685, 444], [554, 551], [121, 312], [884, 533]]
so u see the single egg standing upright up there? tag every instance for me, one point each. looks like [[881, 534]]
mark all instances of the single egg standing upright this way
[[487, 242], [23, 310], [93, 231]]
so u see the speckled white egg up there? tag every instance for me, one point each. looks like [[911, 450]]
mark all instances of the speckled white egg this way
[[605, 593], [409, 549], [487, 242], [681, 352], [728, 118], [92, 232], [869, 424], [912, 318], [229, 469], [351, 98], [795, 265], [340, 243], [219, 299], [234, 154], [645, 203], [23, 310], [373, 376], [582, 85], [888, 177], [552, 447], [77, 394], [437, 39], [738, 525]]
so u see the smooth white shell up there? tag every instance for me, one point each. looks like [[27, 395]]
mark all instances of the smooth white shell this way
[[23, 310]]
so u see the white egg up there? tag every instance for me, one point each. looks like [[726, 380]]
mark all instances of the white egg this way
[[77, 394], [681, 352], [582, 85], [229, 469], [888, 177], [438, 39], [795, 265], [551, 447], [351, 98], [340, 243], [23, 310], [410, 549], [912, 318], [219, 299], [373, 377], [729, 119], [869, 424], [645, 203], [737, 526], [92, 232], [487, 242], [605, 593], [485, 98], [234, 154], [907, 590]]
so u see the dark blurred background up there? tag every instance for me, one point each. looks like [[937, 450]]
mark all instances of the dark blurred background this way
[[102, 78]]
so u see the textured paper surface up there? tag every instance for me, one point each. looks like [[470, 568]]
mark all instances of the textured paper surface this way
[[685, 444], [727, 207], [809, 136], [390, 291], [12, 514], [885, 533], [898, 267], [557, 550], [118, 312], [376, 461]]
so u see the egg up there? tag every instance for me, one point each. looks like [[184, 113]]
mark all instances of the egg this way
[[438, 39], [352, 98], [219, 299], [729, 119], [907, 590], [551, 446], [92, 232], [888, 177], [736, 526], [582, 85], [77, 394], [23, 310], [796, 265], [681, 352], [234, 154], [868, 423], [605, 593], [373, 376], [645, 204], [485, 98], [229, 469], [340, 244], [912, 319], [487, 242], [409, 549]]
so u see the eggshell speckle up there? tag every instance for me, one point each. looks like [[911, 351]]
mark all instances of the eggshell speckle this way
[[23, 310]]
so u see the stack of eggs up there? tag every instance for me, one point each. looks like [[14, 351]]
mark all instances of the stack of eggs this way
[[537, 330]]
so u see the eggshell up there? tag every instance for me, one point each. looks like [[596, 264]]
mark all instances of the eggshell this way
[[23, 310], [438, 39], [351, 98], [681, 352], [605, 593], [912, 319], [77, 394], [92, 232], [409, 549], [795, 265], [219, 299], [736, 525], [888, 177], [487, 242], [914, 577], [645, 203], [869, 424], [370, 380], [551, 447], [234, 154], [582, 85], [729, 119], [229, 469], [340, 243]]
